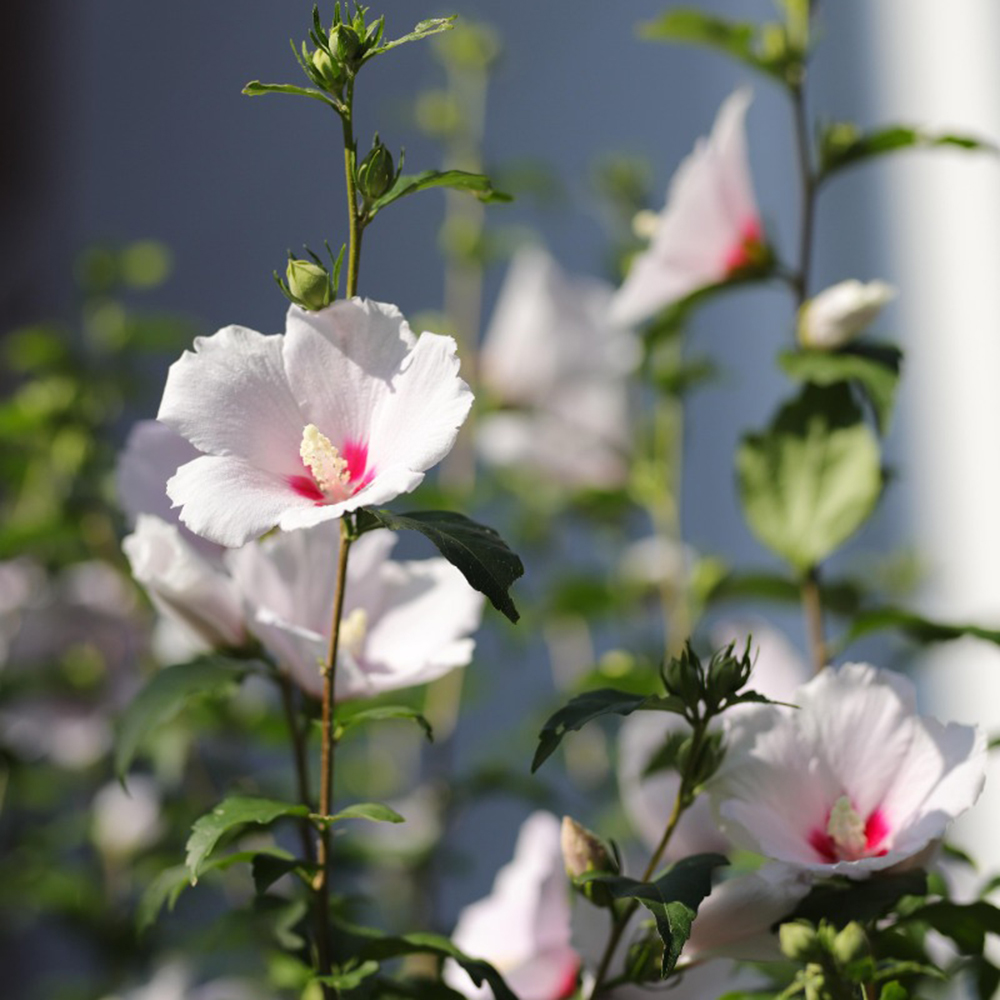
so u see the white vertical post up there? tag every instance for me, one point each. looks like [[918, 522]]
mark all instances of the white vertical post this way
[[936, 64]]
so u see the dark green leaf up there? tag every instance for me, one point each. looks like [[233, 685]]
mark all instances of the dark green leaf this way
[[267, 868], [673, 899], [875, 370], [842, 901], [347, 717], [893, 991], [666, 757], [481, 555], [967, 924], [987, 979], [914, 626], [235, 811], [813, 478], [165, 695], [373, 945], [162, 891], [458, 180], [842, 597], [578, 712], [432, 26], [842, 144], [374, 811]]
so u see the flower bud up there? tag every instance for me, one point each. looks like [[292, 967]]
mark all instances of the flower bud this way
[[582, 850], [797, 940], [683, 677], [376, 172], [309, 285], [850, 944], [345, 45], [840, 313], [328, 72]]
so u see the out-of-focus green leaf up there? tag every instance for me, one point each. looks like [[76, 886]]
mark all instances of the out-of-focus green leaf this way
[[873, 368], [165, 695], [350, 977], [967, 924], [164, 890], [348, 717], [843, 144], [432, 26], [811, 479], [843, 900], [914, 626], [842, 597], [673, 899], [374, 811], [458, 180], [482, 556]]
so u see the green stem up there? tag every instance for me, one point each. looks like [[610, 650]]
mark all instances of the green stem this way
[[353, 219], [301, 763], [812, 606], [322, 881], [681, 803]]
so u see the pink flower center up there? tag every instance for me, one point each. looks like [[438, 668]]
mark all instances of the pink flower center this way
[[333, 474], [848, 837], [749, 250]]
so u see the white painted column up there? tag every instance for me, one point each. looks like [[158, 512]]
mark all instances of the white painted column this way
[[936, 64]]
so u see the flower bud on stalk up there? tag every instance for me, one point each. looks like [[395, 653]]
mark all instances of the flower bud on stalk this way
[[839, 314], [583, 851], [329, 74], [798, 940], [376, 173], [309, 285]]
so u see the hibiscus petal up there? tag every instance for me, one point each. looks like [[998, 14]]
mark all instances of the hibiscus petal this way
[[229, 500], [231, 397]]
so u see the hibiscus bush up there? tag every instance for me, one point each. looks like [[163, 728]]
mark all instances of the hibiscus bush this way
[[271, 812]]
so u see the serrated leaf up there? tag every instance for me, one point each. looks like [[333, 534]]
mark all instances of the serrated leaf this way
[[235, 811], [673, 899], [873, 368], [843, 901], [913, 626], [810, 480], [164, 696], [458, 180], [374, 811], [578, 712], [371, 944], [842, 145], [347, 718], [432, 26], [736, 39], [478, 552]]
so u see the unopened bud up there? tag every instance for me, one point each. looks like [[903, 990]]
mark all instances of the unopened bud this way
[[839, 314], [329, 74], [798, 940], [376, 172], [582, 850], [850, 944], [309, 285], [682, 678], [345, 45]]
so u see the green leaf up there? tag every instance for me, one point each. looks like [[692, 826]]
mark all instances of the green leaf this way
[[164, 696], [673, 899], [350, 978], [965, 923], [914, 626], [235, 811], [842, 144], [578, 712], [373, 945], [813, 478], [256, 89], [893, 991], [873, 369], [374, 811], [347, 717], [843, 597], [842, 901], [459, 180], [481, 555], [736, 39], [266, 868], [432, 26], [162, 891]]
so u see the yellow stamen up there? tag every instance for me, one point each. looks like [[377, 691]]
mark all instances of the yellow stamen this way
[[323, 460], [847, 828]]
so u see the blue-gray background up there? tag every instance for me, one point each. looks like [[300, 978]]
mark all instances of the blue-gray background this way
[[124, 119]]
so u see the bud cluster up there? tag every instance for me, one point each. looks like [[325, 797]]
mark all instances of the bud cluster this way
[[707, 691], [341, 49], [834, 959]]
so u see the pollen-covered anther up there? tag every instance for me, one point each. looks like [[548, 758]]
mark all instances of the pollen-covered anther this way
[[324, 461], [353, 632], [847, 829]]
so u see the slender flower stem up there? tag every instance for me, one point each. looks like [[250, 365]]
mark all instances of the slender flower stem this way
[[353, 222], [813, 607], [322, 881], [681, 802], [301, 763]]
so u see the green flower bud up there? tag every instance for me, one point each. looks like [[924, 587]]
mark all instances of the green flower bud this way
[[797, 940], [329, 74], [345, 45], [376, 172], [682, 677], [309, 285], [850, 944]]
